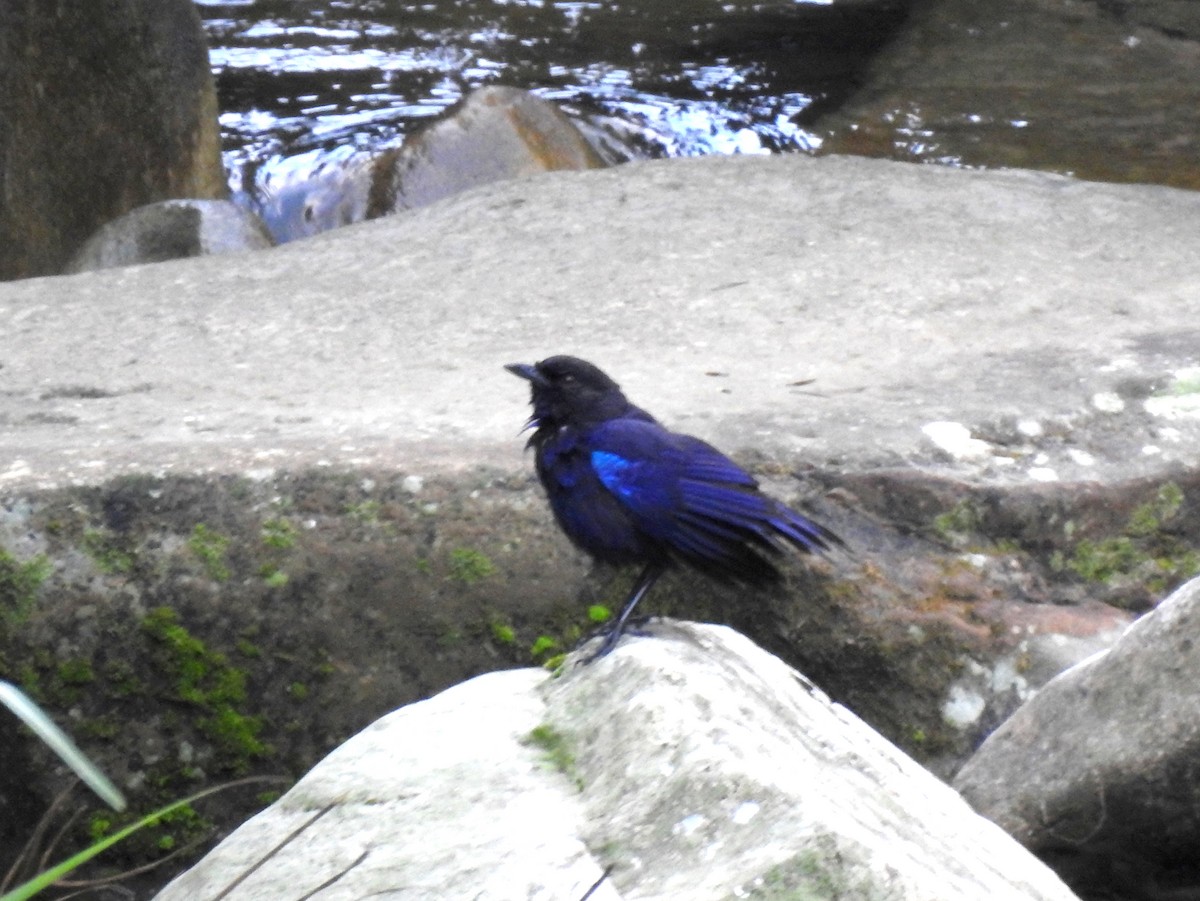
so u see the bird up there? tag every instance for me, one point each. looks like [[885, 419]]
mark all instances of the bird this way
[[627, 490]]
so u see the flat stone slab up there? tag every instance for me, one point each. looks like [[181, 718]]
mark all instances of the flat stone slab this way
[[847, 312]]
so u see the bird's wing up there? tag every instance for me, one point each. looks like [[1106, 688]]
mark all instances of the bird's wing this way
[[687, 494], [635, 456]]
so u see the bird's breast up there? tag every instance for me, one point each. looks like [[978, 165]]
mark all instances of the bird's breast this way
[[559, 459], [587, 509]]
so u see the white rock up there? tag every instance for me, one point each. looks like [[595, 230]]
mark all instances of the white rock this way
[[695, 764], [955, 439], [1108, 402]]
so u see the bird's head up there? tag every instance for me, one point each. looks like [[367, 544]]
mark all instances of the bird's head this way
[[570, 391]]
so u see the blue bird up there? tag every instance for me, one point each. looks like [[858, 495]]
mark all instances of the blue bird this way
[[628, 491]]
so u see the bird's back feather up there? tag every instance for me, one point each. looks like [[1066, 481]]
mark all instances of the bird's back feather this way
[[629, 489]]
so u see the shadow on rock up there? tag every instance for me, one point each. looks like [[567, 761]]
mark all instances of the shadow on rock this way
[[1097, 773]]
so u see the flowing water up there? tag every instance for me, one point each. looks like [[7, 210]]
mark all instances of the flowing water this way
[[306, 84]]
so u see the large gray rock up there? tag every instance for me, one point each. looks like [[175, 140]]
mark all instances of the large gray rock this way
[[1039, 314], [1097, 773], [103, 108], [172, 230], [494, 133], [693, 765]]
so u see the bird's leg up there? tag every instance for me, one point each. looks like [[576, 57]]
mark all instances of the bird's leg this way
[[648, 577]]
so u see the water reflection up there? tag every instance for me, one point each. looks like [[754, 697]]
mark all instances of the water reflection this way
[[298, 80]]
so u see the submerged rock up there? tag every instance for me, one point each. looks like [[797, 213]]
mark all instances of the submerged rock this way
[[690, 765]]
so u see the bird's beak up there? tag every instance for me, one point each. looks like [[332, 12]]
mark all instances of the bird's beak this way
[[527, 371]]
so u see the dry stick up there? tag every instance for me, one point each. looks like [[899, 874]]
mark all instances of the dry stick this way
[[35, 840], [332, 879], [262, 861], [53, 843]]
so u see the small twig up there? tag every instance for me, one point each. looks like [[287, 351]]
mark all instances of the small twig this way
[[53, 843], [34, 842], [120, 889], [266, 857], [332, 879], [86, 884]]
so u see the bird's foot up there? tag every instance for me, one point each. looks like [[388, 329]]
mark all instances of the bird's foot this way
[[611, 634]]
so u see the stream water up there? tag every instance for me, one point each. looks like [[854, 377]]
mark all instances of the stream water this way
[[302, 84]]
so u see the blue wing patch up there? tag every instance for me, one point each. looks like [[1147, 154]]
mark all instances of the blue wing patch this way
[[686, 493], [614, 472], [646, 487]]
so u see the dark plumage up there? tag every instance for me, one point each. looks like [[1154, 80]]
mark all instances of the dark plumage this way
[[627, 490]]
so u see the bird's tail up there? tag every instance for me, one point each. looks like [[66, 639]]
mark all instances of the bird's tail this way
[[724, 529]]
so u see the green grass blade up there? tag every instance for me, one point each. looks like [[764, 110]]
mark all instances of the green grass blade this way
[[45, 879], [48, 731]]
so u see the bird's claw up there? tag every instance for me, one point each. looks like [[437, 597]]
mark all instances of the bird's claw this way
[[611, 635]]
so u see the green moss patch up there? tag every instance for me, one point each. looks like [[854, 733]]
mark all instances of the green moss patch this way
[[203, 678], [1146, 549], [469, 566], [211, 547], [20, 581], [556, 751]]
